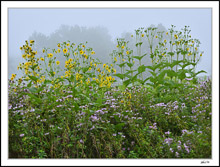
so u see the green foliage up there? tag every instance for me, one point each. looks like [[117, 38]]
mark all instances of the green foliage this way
[[87, 114]]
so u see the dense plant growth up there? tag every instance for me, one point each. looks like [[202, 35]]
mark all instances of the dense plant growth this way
[[87, 109]]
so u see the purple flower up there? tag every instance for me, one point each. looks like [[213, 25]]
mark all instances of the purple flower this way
[[81, 141], [168, 141], [114, 134], [21, 135], [94, 118], [183, 105], [167, 113], [199, 132], [184, 131], [160, 104], [179, 147], [188, 79], [167, 133], [46, 134], [175, 107], [171, 149], [177, 154], [92, 127], [154, 126]]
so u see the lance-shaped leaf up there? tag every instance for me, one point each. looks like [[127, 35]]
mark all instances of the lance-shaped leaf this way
[[33, 78], [130, 64], [153, 73], [29, 84], [201, 71], [141, 68], [85, 97], [139, 57], [32, 96], [46, 81], [187, 64], [121, 76], [171, 53], [33, 90], [127, 82], [40, 88], [152, 79], [154, 67], [130, 71], [175, 62], [122, 64], [184, 52], [171, 73]]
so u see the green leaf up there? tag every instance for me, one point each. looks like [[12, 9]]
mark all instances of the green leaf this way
[[130, 71], [201, 71], [34, 67], [175, 62], [127, 82], [38, 100], [40, 88], [146, 80], [122, 64], [87, 98], [161, 75], [119, 126], [151, 55], [130, 64], [29, 84], [33, 90], [140, 81], [184, 52], [121, 76], [46, 81], [182, 75], [170, 53], [90, 74], [187, 64], [141, 68], [84, 69], [153, 73], [138, 57], [33, 78], [99, 102], [150, 67], [154, 67], [152, 79], [171, 73]]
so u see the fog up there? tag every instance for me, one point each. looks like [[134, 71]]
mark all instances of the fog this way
[[100, 28]]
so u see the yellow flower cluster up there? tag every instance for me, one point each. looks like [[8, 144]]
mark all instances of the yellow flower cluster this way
[[74, 70], [175, 36], [31, 64], [13, 76], [49, 55]]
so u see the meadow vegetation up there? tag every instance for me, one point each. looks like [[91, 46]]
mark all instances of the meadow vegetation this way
[[88, 109]]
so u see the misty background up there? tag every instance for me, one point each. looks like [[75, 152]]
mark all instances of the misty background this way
[[101, 28]]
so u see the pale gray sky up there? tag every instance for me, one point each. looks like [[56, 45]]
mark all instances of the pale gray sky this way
[[23, 22]]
